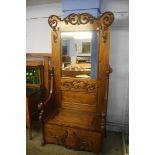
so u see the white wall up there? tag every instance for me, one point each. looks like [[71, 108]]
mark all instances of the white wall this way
[[118, 90], [118, 105], [38, 32], [39, 40]]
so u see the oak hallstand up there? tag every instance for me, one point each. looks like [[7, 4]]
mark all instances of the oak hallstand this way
[[74, 114]]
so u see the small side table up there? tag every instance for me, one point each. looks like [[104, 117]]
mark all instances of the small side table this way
[[32, 101]]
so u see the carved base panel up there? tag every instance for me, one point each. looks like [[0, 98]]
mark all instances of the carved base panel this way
[[73, 138]]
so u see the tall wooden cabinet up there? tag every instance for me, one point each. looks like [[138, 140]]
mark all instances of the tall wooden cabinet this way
[[74, 114]]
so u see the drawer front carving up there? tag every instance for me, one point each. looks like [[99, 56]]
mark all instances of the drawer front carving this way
[[60, 139], [81, 143], [77, 139]]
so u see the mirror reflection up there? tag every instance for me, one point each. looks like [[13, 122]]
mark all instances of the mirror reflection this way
[[79, 53]]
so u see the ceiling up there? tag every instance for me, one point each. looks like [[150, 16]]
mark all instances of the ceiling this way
[[39, 2], [119, 8]]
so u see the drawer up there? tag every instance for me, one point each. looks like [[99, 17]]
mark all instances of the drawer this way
[[74, 138]]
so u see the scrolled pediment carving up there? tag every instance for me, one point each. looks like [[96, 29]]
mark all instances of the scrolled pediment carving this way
[[77, 19], [106, 19], [53, 21]]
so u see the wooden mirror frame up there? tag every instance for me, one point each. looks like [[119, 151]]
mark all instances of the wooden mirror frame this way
[[81, 22]]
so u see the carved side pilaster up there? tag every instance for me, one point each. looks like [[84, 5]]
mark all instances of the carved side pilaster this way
[[53, 22], [41, 115], [99, 121], [106, 19]]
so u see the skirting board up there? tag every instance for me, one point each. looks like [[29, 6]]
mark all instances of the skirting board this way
[[117, 126], [125, 145]]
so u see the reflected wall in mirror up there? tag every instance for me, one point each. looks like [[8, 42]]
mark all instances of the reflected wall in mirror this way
[[79, 54]]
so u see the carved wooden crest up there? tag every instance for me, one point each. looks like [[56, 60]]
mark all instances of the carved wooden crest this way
[[105, 20], [53, 22], [79, 19]]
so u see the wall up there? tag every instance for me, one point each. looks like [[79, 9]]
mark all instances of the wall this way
[[118, 105], [39, 40], [118, 89], [38, 32]]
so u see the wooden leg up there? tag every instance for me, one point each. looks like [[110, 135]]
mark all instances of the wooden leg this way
[[105, 133], [42, 142], [28, 120], [30, 133], [42, 130]]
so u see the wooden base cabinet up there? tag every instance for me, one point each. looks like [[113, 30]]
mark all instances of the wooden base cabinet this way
[[74, 114], [74, 138]]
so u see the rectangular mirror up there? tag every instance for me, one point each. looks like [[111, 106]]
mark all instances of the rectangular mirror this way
[[79, 54]]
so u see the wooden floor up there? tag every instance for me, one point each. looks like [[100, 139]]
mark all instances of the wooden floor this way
[[112, 145]]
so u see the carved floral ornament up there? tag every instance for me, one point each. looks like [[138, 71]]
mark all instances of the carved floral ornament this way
[[76, 84], [79, 19], [78, 143], [53, 21], [106, 19]]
